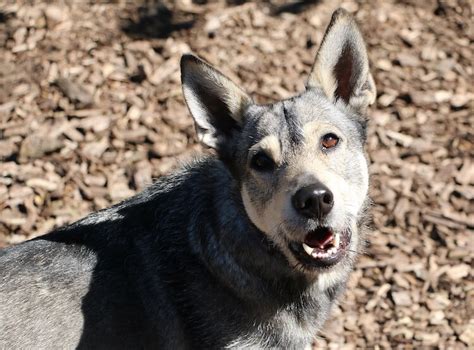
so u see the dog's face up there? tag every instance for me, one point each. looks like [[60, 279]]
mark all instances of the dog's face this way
[[300, 162], [304, 177]]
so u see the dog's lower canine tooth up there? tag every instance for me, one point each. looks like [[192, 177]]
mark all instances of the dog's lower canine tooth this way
[[308, 249], [337, 240]]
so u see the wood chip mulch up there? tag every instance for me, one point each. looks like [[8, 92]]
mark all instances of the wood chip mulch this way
[[91, 111]]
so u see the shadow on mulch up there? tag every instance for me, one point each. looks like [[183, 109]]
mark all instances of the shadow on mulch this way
[[277, 7], [294, 7], [5, 16], [159, 20]]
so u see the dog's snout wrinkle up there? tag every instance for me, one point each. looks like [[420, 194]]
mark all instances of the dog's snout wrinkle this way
[[314, 201]]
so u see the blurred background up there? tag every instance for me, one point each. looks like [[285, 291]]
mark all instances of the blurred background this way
[[91, 111]]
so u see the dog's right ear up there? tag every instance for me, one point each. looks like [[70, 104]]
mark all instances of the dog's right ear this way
[[341, 68], [216, 103]]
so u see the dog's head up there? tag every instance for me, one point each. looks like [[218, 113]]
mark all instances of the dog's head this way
[[300, 162]]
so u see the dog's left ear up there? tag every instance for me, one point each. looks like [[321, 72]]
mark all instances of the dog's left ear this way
[[216, 103], [341, 68]]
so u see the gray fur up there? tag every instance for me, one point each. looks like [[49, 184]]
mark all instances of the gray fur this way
[[201, 259]]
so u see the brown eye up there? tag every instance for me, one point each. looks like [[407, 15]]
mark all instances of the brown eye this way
[[329, 141], [262, 162]]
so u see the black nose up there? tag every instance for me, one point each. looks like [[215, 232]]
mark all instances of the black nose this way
[[314, 201]]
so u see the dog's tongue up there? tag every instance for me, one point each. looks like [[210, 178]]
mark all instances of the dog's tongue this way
[[319, 238]]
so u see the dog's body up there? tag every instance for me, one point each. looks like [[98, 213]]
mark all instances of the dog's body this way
[[248, 249], [141, 275]]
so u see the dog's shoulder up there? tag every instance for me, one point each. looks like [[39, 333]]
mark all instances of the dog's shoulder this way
[[40, 264], [77, 244]]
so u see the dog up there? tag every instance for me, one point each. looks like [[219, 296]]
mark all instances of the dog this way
[[246, 248]]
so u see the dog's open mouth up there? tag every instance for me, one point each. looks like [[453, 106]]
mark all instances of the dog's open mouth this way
[[321, 247]]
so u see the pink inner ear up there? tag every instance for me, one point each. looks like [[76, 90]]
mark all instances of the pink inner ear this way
[[343, 72]]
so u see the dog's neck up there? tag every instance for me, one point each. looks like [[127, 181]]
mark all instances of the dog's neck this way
[[239, 254]]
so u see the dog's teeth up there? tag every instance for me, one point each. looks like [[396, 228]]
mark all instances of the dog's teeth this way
[[320, 255], [308, 249]]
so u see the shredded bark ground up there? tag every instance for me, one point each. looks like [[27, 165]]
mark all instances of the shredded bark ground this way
[[91, 111]]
